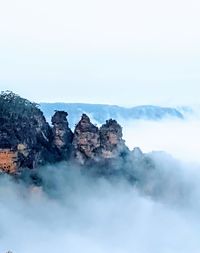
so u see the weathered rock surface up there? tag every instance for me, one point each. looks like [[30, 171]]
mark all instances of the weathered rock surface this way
[[62, 134], [86, 140], [112, 144], [91, 144]]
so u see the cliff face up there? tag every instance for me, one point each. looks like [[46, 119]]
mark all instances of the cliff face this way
[[8, 160], [112, 144], [62, 134], [24, 132], [91, 143], [86, 140], [27, 140]]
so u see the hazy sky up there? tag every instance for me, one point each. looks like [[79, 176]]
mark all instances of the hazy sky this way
[[118, 52]]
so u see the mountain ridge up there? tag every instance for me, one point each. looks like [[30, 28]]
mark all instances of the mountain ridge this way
[[101, 112]]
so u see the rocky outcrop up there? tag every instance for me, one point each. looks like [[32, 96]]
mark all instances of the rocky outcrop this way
[[86, 141], [62, 135], [27, 140], [25, 135], [112, 144], [97, 145], [8, 160]]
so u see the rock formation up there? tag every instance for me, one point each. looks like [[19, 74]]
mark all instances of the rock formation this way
[[24, 133], [91, 144], [27, 140], [62, 134], [86, 140], [112, 144]]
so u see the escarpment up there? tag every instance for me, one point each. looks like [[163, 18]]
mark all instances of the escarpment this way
[[27, 140], [25, 135]]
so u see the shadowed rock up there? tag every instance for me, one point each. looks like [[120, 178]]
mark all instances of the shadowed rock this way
[[62, 134], [24, 133]]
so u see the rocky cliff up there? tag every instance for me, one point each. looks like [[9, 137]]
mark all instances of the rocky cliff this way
[[62, 135], [27, 140], [25, 135], [112, 144], [86, 141]]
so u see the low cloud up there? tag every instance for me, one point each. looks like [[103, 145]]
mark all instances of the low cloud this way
[[74, 212], [180, 138]]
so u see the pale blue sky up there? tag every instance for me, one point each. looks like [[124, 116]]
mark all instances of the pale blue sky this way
[[118, 52]]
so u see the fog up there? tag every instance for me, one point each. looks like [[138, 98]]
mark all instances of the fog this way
[[181, 138], [74, 212]]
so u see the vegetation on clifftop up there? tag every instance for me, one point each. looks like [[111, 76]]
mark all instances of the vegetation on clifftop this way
[[12, 104]]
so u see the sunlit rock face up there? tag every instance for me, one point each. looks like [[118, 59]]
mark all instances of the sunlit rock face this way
[[86, 140], [62, 134], [8, 161], [111, 140]]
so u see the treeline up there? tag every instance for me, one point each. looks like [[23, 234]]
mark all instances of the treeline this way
[[12, 104]]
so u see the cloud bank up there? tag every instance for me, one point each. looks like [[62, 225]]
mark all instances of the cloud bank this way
[[180, 138], [74, 212]]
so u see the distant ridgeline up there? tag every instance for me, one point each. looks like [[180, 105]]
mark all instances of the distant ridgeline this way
[[100, 113], [27, 141]]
